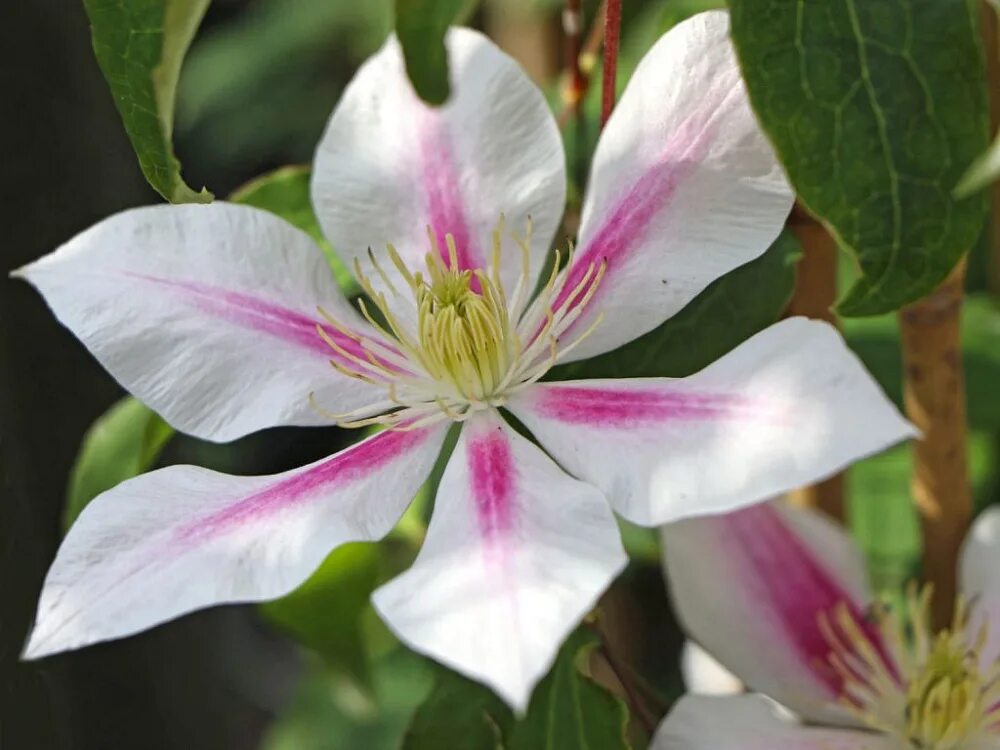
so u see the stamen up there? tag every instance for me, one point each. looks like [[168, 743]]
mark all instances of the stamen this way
[[469, 345], [936, 696]]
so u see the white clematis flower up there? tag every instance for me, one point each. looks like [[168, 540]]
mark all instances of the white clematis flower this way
[[779, 596], [225, 320]]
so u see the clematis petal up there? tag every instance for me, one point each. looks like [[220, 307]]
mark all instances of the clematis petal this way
[[182, 538], [980, 562], [684, 186], [390, 166], [752, 586], [789, 406], [750, 722], [703, 675], [207, 314], [516, 553]]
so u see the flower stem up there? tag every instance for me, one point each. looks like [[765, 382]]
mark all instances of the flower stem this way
[[612, 33], [814, 296], [934, 395]]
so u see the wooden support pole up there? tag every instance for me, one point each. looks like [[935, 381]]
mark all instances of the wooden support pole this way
[[934, 395], [814, 296]]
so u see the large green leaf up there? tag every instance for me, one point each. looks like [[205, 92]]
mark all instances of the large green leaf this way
[[728, 312], [285, 192], [569, 711], [421, 26], [325, 612], [876, 109], [140, 45], [121, 444]]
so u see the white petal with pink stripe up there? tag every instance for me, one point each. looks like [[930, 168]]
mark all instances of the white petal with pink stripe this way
[[684, 186], [785, 408], [980, 578], [751, 585], [389, 166], [516, 553], [208, 315], [182, 538]]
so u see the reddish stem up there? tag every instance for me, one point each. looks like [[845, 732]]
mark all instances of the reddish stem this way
[[612, 32]]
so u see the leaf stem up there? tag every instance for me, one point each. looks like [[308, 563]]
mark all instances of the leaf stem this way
[[612, 34], [934, 396]]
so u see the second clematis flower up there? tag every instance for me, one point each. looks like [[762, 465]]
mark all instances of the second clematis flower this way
[[225, 320], [779, 596]]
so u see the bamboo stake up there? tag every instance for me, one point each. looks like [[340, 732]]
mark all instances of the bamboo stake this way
[[934, 395], [814, 296]]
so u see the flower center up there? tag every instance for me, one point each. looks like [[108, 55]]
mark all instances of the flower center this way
[[466, 338], [454, 342], [940, 696]]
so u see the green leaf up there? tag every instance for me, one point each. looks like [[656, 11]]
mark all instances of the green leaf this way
[[569, 711], [421, 26], [728, 312], [140, 45], [325, 612], [121, 444], [458, 714], [876, 109], [285, 192]]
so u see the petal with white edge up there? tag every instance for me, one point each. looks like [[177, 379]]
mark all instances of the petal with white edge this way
[[684, 186], [182, 538], [980, 578], [752, 587], [516, 554], [703, 675], [389, 165], [208, 315], [750, 722], [787, 407]]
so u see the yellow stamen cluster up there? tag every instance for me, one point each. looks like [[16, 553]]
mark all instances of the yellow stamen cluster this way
[[941, 696], [457, 343]]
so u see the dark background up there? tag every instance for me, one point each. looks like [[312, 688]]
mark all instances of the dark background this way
[[211, 680]]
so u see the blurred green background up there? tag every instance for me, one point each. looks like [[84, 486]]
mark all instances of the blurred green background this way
[[257, 87]]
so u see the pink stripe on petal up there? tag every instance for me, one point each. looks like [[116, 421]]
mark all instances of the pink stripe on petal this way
[[794, 589], [340, 469], [628, 408], [491, 471], [443, 189], [625, 225], [266, 317]]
